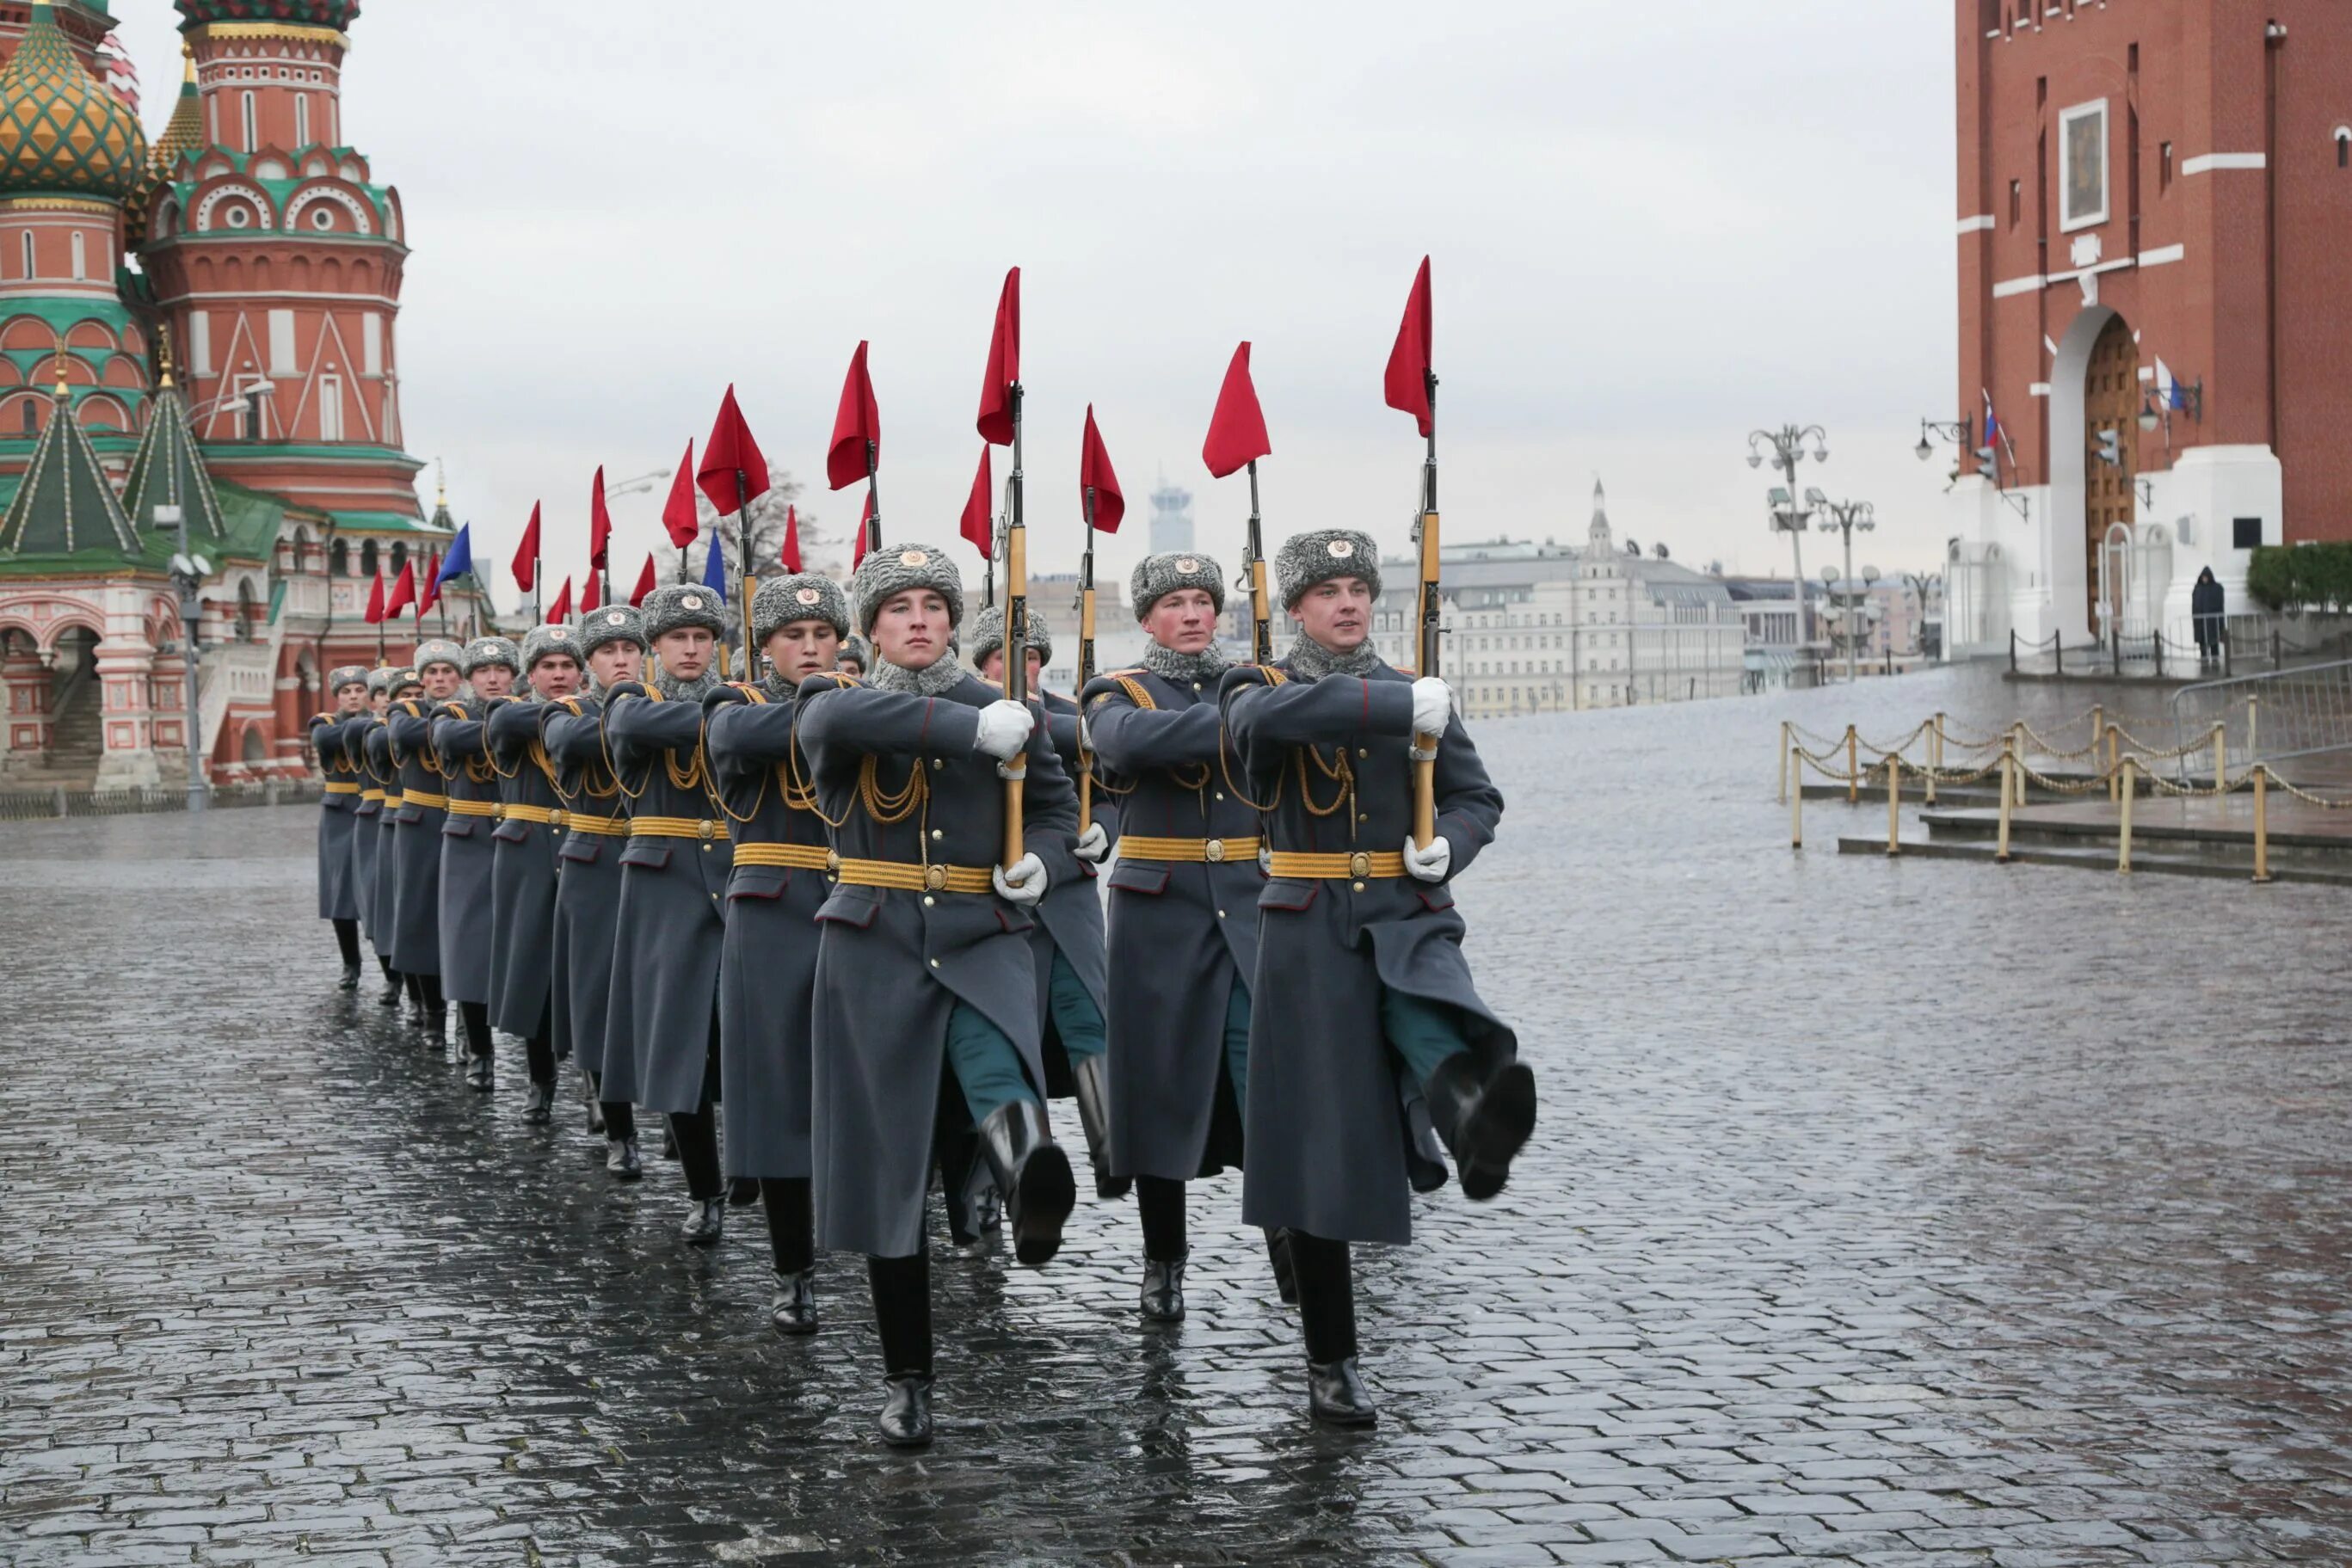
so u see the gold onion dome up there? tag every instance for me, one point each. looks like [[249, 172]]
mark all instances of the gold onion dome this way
[[183, 134], [61, 133]]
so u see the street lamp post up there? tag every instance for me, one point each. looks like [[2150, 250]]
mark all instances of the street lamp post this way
[[188, 573], [1787, 446], [1846, 516]]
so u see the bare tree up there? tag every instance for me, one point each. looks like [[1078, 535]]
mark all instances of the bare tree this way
[[821, 549]]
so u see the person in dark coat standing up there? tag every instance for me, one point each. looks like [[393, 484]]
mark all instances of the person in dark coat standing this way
[[399, 686], [669, 926], [1326, 738], [461, 744], [1073, 982], [1183, 913], [924, 976], [416, 835], [367, 827], [767, 971], [338, 803], [588, 887], [2205, 606], [529, 833]]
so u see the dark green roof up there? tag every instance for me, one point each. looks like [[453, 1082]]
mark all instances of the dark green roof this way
[[168, 471], [64, 507]]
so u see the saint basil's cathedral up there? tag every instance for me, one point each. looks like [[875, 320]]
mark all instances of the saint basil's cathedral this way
[[203, 320]]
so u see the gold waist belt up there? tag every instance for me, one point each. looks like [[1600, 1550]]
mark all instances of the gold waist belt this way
[[675, 828], [1191, 851], [335, 788], [1339, 868], [419, 798], [376, 795], [473, 807], [801, 857], [392, 798], [547, 814], [918, 878], [603, 826]]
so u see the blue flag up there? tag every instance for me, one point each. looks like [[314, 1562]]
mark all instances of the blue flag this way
[[460, 559], [714, 570]]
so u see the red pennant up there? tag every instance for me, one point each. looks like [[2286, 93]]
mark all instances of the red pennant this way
[[375, 600], [854, 426], [644, 584], [864, 527], [561, 610], [428, 592], [526, 561], [730, 452], [979, 524], [404, 592], [600, 524], [591, 596], [1237, 430], [1407, 383], [791, 554], [678, 514], [1004, 365], [1094, 473]]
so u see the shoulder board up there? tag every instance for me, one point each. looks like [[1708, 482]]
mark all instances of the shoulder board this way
[[751, 693], [318, 718], [839, 678], [568, 705]]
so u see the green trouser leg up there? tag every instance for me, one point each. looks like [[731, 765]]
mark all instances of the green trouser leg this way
[[1238, 1022], [1076, 1017], [1424, 1032], [987, 1067]]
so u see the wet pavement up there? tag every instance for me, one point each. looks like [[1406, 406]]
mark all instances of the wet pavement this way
[[1892, 1213]]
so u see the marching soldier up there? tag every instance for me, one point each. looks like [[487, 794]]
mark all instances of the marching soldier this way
[[461, 746], [337, 898], [416, 835], [588, 890], [529, 834], [853, 657], [401, 685], [767, 971], [669, 926], [367, 828], [1067, 939], [1325, 739], [1183, 914], [923, 974]]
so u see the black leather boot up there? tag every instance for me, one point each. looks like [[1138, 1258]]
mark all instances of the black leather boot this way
[[1277, 1252], [669, 1140], [1090, 1083], [389, 995], [1335, 1396], [1163, 1291], [436, 1029], [794, 1311], [537, 1103], [482, 1073], [621, 1158], [1484, 1123], [350, 980], [1033, 1174], [742, 1192], [905, 1419], [595, 1110], [705, 1222]]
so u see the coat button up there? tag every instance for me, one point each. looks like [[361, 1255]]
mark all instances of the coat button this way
[[1219, 794], [929, 901], [1220, 915], [1359, 887], [939, 762], [935, 962], [939, 833], [1363, 751]]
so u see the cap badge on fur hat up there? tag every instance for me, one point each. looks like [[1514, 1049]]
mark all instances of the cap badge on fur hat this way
[[559, 633], [1341, 548], [692, 601], [808, 596], [614, 619], [913, 557]]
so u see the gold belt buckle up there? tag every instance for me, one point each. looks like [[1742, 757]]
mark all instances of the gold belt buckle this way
[[1359, 864], [499, 812], [935, 877], [555, 819], [832, 861], [1213, 851], [703, 828]]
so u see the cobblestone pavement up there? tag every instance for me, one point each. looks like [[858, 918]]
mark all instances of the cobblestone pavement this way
[[1901, 1214]]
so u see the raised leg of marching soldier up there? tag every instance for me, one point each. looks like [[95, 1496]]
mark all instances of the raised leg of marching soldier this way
[[528, 837], [587, 892], [425, 801], [669, 926], [767, 971], [461, 743], [1327, 740], [924, 957]]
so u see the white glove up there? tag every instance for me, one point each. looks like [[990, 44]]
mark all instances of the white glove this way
[[1026, 884], [1433, 704], [1092, 844], [1432, 863], [1003, 730], [1086, 736]]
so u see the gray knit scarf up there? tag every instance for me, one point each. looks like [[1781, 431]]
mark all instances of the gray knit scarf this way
[[692, 691], [935, 679], [1311, 660], [779, 689], [1185, 669]]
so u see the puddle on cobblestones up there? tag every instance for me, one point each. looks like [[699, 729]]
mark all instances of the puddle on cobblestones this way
[[1880, 1211]]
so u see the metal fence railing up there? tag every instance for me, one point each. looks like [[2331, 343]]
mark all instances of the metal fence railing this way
[[2271, 716], [24, 805]]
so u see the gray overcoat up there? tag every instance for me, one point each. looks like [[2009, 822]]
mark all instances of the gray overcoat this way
[[337, 811], [587, 892], [522, 871], [891, 964], [1182, 934], [767, 972], [467, 852], [670, 925], [415, 842], [367, 829], [1326, 1127], [385, 882], [1070, 915]]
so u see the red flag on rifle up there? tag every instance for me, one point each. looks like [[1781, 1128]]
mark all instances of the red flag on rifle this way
[[1095, 475], [1237, 430], [644, 583], [404, 592], [979, 526], [864, 527], [429, 594], [1004, 365], [526, 561], [857, 428], [590, 593], [375, 600], [730, 452], [1407, 383], [561, 610], [791, 554], [600, 524], [678, 515]]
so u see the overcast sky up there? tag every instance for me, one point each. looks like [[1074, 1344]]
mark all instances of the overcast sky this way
[[1654, 228]]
